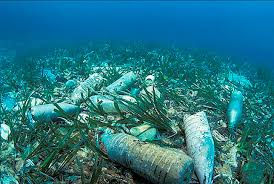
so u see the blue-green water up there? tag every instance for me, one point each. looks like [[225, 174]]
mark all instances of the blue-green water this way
[[243, 29], [136, 92]]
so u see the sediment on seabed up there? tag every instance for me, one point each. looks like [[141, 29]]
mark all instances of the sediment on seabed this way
[[56, 109]]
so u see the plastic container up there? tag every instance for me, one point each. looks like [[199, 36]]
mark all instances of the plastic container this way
[[32, 102], [144, 132], [234, 111], [200, 145], [107, 103], [150, 80], [151, 90], [83, 91], [155, 163], [122, 83], [4, 131], [47, 112]]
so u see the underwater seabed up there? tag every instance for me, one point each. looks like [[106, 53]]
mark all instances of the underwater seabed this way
[[133, 113]]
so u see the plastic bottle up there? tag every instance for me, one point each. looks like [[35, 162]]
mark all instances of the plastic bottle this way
[[83, 91], [107, 103], [234, 111], [156, 164], [200, 145], [122, 83], [47, 112]]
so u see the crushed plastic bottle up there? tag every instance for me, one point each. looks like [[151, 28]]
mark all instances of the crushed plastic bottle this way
[[156, 164]]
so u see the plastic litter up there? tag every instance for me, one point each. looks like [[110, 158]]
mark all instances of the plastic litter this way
[[233, 77], [144, 132], [33, 102], [83, 91], [155, 163], [234, 111], [107, 103], [122, 83], [135, 91], [48, 112], [150, 80], [5, 131], [151, 90], [200, 145]]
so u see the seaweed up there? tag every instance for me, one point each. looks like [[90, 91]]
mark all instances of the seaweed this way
[[190, 80], [56, 143]]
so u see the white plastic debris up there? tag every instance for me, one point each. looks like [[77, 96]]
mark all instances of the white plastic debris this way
[[48, 112], [32, 102], [107, 103], [234, 111], [5, 131], [151, 90], [200, 145], [233, 77], [144, 132], [122, 83], [150, 80], [85, 88]]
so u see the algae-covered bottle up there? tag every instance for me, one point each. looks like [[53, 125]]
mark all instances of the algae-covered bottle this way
[[156, 164], [107, 103], [234, 111], [48, 112], [122, 83], [82, 92]]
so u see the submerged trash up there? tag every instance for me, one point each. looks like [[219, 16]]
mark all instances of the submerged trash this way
[[83, 91], [200, 145], [233, 77], [122, 83], [150, 80], [135, 91], [108, 104], [48, 112], [32, 102], [5, 131], [144, 132], [234, 111], [155, 163], [150, 90]]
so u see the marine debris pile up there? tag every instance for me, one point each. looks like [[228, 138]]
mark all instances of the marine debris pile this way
[[134, 113]]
